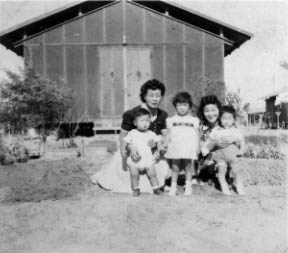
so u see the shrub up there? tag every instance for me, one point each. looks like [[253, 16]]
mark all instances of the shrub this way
[[29, 100], [264, 151]]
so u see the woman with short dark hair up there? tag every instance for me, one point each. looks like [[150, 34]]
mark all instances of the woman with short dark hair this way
[[114, 176]]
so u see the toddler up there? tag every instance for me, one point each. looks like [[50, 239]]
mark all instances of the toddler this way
[[182, 141], [140, 137], [226, 156]]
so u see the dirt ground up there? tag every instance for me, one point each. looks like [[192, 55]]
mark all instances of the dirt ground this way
[[50, 205]]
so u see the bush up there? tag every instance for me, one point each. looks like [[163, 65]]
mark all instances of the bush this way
[[263, 151], [29, 100], [16, 152]]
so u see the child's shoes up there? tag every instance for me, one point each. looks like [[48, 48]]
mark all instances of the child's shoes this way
[[188, 190], [158, 192], [240, 190], [196, 181], [173, 191], [136, 192], [226, 192]]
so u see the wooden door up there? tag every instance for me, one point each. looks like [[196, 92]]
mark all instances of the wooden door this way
[[111, 82], [138, 72]]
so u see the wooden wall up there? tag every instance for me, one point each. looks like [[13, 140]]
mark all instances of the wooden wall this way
[[97, 55]]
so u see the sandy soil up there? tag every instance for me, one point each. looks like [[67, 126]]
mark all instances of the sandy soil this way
[[50, 205]]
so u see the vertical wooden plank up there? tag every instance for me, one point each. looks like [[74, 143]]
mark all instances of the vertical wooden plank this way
[[184, 67], [210, 39], [114, 23], [54, 64], [111, 79], [184, 54], [183, 33], [93, 81], [124, 21], [54, 35], [165, 51], [203, 62], [37, 59], [144, 35], [104, 26], [193, 35], [173, 31], [134, 23], [125, 59], [164, 28], [75, 78], [194, 66], [213, 62], [44, 55], [174, 73], [222, 53], [85, 66], [27, 56], [164, 63], [213, 57], [74, 31], [154, 27], [157, 61], [94, 27], [174, 68], [125, 77], [64, 56], [139, 71]]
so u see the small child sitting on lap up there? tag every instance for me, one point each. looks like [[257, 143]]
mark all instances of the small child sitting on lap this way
[[226, 156], [139, 138]]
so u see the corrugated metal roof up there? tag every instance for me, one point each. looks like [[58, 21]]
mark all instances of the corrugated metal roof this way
[[43, 22]]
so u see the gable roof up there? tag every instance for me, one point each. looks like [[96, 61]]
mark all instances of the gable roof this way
[[43, 22]]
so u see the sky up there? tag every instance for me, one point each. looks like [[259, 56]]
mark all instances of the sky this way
[[254, 69]]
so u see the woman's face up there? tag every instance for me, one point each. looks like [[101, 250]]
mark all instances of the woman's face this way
[[153, 98], [211, 113]]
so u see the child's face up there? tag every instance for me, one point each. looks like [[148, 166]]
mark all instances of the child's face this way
[[211, 113], [182, 108], [227, 120], [142, 122]]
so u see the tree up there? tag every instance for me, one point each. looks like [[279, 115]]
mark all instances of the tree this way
[[208, 86], [29, 100], [233, 98]]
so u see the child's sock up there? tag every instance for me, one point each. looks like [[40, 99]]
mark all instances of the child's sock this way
[[173, 189], [188, 188], [188, 183], [136, 192], [240, 189]]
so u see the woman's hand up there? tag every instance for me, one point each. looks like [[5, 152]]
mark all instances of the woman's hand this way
[[205, 151], [157, 156], [152, 143], [134, 153], [224, 141]]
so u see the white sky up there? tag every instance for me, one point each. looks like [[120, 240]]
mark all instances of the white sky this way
[[254, 68]]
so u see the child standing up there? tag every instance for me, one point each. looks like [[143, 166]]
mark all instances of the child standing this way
[[139, 138], [182, 141], [226, 156]]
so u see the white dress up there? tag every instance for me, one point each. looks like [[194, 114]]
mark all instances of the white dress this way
[[184, 138]]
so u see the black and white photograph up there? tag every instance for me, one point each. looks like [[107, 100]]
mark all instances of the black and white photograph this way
[[143, 126]]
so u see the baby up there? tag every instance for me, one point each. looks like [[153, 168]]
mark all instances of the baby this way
[[226, 156], [139, 138]]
